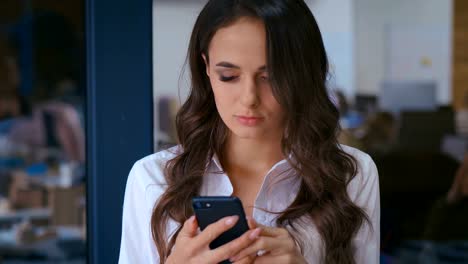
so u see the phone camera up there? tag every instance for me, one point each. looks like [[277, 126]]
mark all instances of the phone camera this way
[[198, 205]]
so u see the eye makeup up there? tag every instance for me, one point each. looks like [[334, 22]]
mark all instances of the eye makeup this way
[[227, 78]]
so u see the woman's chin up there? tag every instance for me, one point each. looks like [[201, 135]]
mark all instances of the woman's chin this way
[[249, 133]]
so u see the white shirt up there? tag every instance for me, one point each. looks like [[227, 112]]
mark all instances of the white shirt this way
[[146, 183]]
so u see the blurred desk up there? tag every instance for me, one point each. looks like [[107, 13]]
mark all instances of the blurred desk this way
[[16, 216], [66, 201], [67, 245]]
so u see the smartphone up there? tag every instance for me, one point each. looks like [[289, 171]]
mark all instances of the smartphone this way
[[209, 209]]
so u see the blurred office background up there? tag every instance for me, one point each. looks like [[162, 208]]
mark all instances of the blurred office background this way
[[42, 144], [399, 75]]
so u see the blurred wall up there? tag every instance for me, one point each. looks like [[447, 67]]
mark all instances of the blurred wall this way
[[372, 19], [336, 22], [172, 25]]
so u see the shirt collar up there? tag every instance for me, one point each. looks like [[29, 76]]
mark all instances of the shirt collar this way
[[282, 174]]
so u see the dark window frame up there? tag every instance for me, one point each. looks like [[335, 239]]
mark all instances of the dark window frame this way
[[119, 121]]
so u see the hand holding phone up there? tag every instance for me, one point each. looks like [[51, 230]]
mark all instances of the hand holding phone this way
[[191, 247]]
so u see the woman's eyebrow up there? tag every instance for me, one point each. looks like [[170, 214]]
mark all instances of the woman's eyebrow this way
[[227, 65], [233, 66]]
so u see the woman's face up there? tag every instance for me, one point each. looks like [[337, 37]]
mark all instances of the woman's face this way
[[238, 74]]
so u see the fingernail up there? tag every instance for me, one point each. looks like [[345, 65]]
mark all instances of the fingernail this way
[[231, 220], [192, 218], [255, 234]]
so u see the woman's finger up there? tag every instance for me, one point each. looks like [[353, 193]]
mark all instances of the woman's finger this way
[[270, 259], [263, 243], [189, 229], [214, 230], [266, 230], [228, 250], [273, 231], [246, 260]]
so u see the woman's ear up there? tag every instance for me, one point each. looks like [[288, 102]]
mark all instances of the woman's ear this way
[[207, 64]]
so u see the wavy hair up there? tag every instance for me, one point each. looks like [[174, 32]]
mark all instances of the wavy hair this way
[[298, 68]]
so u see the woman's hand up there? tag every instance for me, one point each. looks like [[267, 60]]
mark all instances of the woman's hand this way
[[275, 245], [191, 247]]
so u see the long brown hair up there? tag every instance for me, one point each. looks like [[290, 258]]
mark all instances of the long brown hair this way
[[298, 68]]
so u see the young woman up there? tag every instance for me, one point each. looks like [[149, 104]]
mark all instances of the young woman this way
[[258, 124]]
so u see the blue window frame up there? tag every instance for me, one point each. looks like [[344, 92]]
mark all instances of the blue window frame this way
[[119, 113]]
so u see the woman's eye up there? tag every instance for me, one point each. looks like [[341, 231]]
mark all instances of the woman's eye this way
[[227, 78], [264, 78]]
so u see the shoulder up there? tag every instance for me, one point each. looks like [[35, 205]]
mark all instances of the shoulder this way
[[366, 177], [145, 185], [363, 160], [147, 174], [156, 162], [359, 155]]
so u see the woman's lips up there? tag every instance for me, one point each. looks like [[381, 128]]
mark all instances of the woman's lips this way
[[249, 120]]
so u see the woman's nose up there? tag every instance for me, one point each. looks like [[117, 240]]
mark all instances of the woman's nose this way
[[249, 95]]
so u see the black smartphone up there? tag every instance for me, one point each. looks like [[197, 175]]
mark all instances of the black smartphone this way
[[209, 209]]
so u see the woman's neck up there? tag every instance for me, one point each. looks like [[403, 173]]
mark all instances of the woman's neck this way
[[250, 156]]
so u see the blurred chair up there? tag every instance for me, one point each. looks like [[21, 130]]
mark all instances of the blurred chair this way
[[414, 175], [423, 131]]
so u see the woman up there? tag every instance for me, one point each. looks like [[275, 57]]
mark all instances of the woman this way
[[258, 124]]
